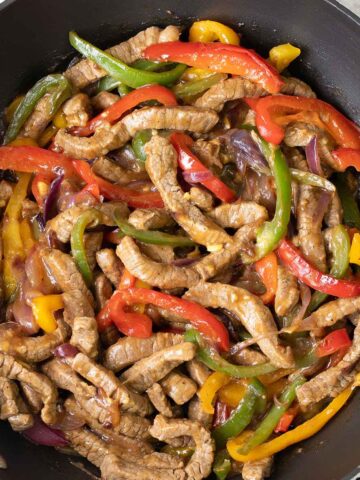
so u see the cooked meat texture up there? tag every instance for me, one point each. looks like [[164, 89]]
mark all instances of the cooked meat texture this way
[[227, 90], [61, 267], [334, 215], [147, 371], [114, 468], [161, 164], [197, 414], [77, 110], [294, 86], [287, 292], [128, 350], [29, 209], [158, 253], [179, 387], [250, 311], [159, 400], [199, 466], [198, 371], [88, 445], [109, 336], [92, 243], [106, 168], [103, 290], [257, 470], [246, 356], [330, 313], [208, 153], [103, 100], [154, 219], [6, 190], [14, 370], [201, 198], [85, 336], [110, 265], [111, 385], [76, 305], [33, 349], [259, 188], [85, 72], [162, 460], [235, 215], [333, 380], [13, 407], [39, 118], [32, 398], [161, 275], [133, 426]]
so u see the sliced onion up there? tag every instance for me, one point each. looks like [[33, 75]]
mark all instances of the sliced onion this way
[[197, 177], [66, 350], [40, 221], [51, 199], [42, 434], [312, 157]]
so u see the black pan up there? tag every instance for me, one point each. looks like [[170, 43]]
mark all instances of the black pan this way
[[33, 40]]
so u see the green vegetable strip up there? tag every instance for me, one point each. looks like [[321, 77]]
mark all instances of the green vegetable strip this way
[[211, 358], [194, 87], [151, 236], [267, 426], [106, 84], [339, 246], [222, 465], [350, 207], [241, 416], [312, 179], [149, 66], [117, 69], [61, 91], [90, 217], [138, 144]]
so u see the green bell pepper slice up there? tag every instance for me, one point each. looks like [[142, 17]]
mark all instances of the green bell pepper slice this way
[[308, 178], [195, 87], [222, 465], [348, 202], [138, 144]]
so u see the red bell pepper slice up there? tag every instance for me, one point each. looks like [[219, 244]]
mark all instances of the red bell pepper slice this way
[[347, 157], [116, 192], [116, 110], [130, 324], [333, 342], [35, 160], [219, 57], [39, 179], [286, 420], [190, 163], [198, 316], [345, 133], [267, 269], [301, 268]]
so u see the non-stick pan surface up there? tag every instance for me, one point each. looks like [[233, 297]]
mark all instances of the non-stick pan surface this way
[[33, 41]]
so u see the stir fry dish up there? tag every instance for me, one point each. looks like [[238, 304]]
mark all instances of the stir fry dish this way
[[180, 253]]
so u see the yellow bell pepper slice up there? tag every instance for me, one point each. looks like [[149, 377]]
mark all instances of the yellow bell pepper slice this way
[[193, 73], [60, 120], [232, 393], [282, 55], [43, 309], [23, 142], [208, 391], [27, 236], [302, 432], [13, 248], [140, 307], [209, 31], [354, 255], [47, 135]]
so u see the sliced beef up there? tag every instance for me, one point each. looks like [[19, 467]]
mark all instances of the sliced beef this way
[[294, 86], [109, 336], [6, 190], [158, 253], [39, 118], [178, 387], [32, 398], [13, 407], [235, 215], [199, 466], [76, 305], [250, 311], [128, 350], [159, 400], [208, 152], [29, 209], [287, 292], [201, 198], [334, 215], [77, 110], [246, 356], [92, 243], [14, 370], [106, 168], [110, 265], [85, 72], [197, 414], [161, 164], [198, 371], [103, 290], [103, 100], [331, 312], [88, 445], [257, 470], [85, 335], [227, 90], [147, 371], [154, 219]]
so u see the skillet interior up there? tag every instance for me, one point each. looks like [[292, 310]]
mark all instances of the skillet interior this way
[[33, 37]]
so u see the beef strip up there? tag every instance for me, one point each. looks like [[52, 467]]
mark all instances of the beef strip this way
[[128, 350], [198, 371], [227, 90], [332, 312], [208, 152], [88, 445], [33, 349], [235, 215], [106, 168], [6, 190], [92, 243], [85, 72], [197, 414], [250, 311], [110, 265], [287, 292], [178, 387], [158, 253], [333, 380], [85, 336], [201, 198], [199, 465], [76, 305], [294, 86], [257, 470], [77, 110], [103, 290], [103, 100], [246, 356], [159, 400], [14, 370], [32, 398], [29, 209], [13, 407], [149, 370], [334, 215], [61, 267], [39, 118], [154, 219], [109, 336]]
